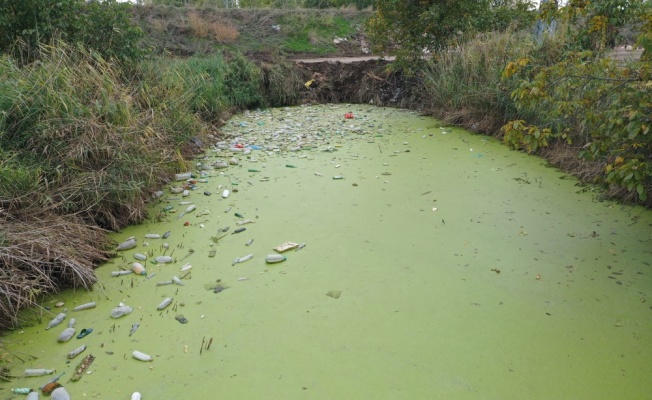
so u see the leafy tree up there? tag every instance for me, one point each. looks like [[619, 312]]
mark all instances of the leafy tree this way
[[598, 104], [36, 21], [108, 30], [104, 26]]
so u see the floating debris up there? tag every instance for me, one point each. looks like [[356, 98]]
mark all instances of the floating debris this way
[[82, 367]]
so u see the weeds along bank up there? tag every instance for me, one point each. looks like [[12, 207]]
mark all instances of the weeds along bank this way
[[84, 144]]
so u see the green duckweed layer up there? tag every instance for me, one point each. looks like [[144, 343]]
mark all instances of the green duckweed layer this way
[[441, 265]]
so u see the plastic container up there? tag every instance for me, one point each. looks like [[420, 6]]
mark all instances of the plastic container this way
[[140, 257], [176, 280], [38, 371], [76, 352], [21, 390], [225, 193], [120, 273], [163, 259], [152, 236], [86, 306], [138, 269], [60, 393], [32, 396], [183, 176], [127, 244], [141, 356], [166, 302], [120, 311], [56, 320], [274, 258], [66, 335], [135, 396]]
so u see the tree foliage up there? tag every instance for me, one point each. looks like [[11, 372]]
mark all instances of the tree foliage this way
[[599, 104], [407, 28], [104, 26]]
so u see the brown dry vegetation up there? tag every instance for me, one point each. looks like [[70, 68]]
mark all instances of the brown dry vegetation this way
[[43, 253]]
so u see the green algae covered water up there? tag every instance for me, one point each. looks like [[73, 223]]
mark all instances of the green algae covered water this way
[[437, 265]]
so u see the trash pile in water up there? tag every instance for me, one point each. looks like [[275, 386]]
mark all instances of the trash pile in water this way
[[250, 143]]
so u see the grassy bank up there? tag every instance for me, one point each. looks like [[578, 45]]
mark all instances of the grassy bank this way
[[186, 31], [86, 144]]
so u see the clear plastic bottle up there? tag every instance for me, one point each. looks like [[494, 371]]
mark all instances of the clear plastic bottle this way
[[38, 371], [120, 311]]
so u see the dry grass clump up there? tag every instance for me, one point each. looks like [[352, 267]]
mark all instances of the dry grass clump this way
[[221, 31], [224, 32], [198, 25], [42, 253]]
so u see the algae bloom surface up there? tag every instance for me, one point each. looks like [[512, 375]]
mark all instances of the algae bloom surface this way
[[431, 263]]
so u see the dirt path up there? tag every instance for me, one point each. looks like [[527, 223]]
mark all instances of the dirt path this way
[[344, 60]]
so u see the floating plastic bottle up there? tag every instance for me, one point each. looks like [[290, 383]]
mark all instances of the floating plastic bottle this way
[[127, 244], [60, 393], [32, 396], [38, 371], [141, 356], [56, 320], [275, 258], [140, 257], [120, 311], [152, 236], [135, 396], [66, 335], [138, 269], [21, 390], [183, 176], [225, 193], [163, 259], [76, 352], [166, 302], [85, 306]]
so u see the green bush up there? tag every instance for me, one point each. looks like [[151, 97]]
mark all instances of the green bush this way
[[596, 103], [104, 26]]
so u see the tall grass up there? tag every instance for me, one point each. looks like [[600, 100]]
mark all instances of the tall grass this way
[[463, 85], [83, 143]]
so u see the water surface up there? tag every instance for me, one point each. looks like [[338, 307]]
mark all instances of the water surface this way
[[466, 271]]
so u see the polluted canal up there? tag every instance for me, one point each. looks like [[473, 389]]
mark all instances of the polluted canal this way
[[412, 261]]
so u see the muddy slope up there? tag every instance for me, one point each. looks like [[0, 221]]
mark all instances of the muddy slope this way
[[362, 82]]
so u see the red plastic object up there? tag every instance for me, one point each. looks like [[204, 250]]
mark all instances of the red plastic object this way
[[186, 223], [239, 145], [348, 116]]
